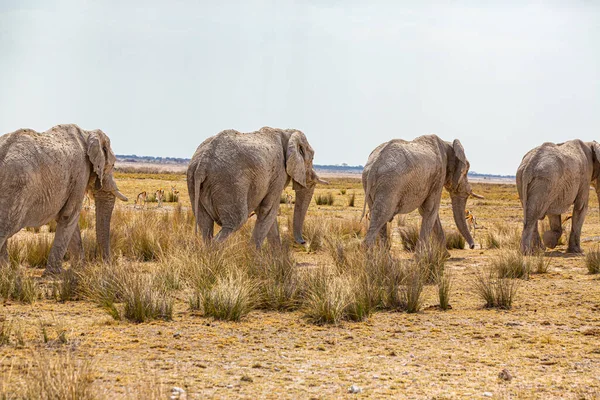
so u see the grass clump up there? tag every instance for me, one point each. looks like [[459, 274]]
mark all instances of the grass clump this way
[[143, 302], [16, 285], [443, 281], [324, 199], [66, 287], [502, 235], [230, 298], [455, 240], [342, 192], [592, 261], [409, 236], [496, 291], [539, 264], [60, 377], [351, 199], [314, 232], [327, 297], [431, 259], [511, 264]]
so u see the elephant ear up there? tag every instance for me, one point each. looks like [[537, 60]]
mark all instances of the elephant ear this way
[[461, 164], [100, 154], [294, 159]]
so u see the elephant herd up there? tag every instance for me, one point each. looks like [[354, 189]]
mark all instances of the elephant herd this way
[[45, 177]]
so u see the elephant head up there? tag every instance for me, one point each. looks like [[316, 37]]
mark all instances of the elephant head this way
[[103, 186], [459, 188], [298, 166]]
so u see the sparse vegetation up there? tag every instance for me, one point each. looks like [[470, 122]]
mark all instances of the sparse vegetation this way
[[455, 240], [15, 284], [409, 235], [502, 235], [324, 199], [351, 199], [330, 280], [511, 264], [497, 292], [592, 261]]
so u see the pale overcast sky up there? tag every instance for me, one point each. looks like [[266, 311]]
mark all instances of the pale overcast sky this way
[[161, 76]]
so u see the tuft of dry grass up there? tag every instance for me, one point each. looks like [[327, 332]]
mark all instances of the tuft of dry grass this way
[[511, 264], [454, 240], [324, 199], [16, 285], [502, 235], [497, 292], [60, 377], [327, 298], [230, 297], [314, 232], [351, 199], [66, 286], [409, 235], [444, 284], [592, 261], [431, 259], [539, 264]]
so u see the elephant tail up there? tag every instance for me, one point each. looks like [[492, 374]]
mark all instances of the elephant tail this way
[[525, 182], [195, 178], [367, 190]]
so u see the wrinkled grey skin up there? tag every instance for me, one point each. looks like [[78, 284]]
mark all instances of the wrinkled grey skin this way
[[232, 174], [44, 177], [402, 176], [550, 179]]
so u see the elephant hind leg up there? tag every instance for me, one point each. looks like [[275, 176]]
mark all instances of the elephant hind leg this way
[[205, 222], [551, 236], [231, 223], [3, 250], [378, 224]]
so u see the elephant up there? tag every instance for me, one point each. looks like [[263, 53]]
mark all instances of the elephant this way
[[401, 176], [551, 179], [45, 176], [233, 174]]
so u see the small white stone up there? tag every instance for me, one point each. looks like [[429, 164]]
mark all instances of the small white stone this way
[[354, 389], [487, 394], [229, 386]]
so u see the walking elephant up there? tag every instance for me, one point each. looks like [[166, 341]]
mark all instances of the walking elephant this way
[[233, 174], [44, 177], [550, 179], [401, 176]]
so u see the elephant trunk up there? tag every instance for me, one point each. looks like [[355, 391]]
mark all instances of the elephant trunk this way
[[105, 203], [459, 205], [303, 198]]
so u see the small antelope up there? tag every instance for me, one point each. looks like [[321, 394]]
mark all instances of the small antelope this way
[[87, 201], [471, 220], [160, 196], [140, 200], [288, 200], [174, 194]]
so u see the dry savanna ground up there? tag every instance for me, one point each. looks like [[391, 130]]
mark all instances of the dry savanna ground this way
[[319, 321]]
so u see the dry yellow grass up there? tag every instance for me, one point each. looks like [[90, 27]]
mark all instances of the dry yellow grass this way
[[549, 340]]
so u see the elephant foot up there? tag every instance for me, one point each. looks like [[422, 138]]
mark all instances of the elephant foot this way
[[551, 238], [574, 250]]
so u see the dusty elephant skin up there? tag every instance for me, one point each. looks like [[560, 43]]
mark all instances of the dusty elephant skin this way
[[402, 176], [44, 177], [232, 174], [550, 179]]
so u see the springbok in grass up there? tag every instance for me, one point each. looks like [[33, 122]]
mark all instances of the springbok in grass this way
[[289, 200], [87, 201], [174, 194], [471, 221], [160, 196], [140, 200]]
